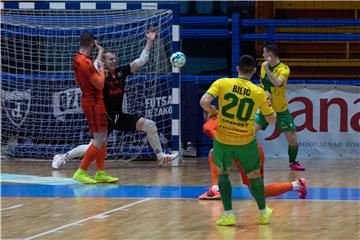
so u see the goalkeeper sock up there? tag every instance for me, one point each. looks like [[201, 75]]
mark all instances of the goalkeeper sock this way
[[100, 161], [214, 175], [258, 192], [153, 137], [91, 154], [292, 152], [76, 152], [225, 191], [275, 189]]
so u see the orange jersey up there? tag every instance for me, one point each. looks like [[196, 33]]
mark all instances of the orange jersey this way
[[209, 127], [88, 78]]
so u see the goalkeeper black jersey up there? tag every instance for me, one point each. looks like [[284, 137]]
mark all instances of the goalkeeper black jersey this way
[[114, 88]]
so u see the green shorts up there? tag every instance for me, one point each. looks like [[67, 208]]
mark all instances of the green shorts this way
[[248, 155], [284, 122]]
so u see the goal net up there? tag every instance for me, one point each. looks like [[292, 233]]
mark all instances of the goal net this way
[[41, 113]]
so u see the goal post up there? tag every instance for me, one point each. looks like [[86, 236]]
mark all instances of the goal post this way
[[41, 113]]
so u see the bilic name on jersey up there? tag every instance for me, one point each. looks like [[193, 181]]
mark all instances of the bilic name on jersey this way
[[241, 90]]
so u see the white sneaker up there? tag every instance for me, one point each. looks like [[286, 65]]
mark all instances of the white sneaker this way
[[58, 160], [167, 158]]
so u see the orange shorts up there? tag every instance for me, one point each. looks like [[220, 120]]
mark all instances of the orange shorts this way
[[95, 113], [244, 178]]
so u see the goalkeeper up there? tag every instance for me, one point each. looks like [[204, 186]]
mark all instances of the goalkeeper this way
[[115, 79]]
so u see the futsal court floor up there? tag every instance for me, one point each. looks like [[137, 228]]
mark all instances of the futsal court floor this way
[[151, 202]]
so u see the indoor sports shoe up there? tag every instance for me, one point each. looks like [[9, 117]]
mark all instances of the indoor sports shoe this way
[[296, 166], [264, 219], [103, 177], [302, 191], [167, 158], [82, 176], [226, 220], [58, 160], [210, 195]]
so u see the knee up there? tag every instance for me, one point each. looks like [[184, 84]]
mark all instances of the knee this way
[[149, 126], [100, 140], [254, 174], [104, 140]]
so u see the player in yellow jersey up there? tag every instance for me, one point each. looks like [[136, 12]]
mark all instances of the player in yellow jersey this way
[[273, 77], [238, 100]]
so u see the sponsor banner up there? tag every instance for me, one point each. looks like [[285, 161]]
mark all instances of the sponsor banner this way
[[327, 120]]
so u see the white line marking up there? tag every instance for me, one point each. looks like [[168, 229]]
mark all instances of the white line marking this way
[[16, 206], [87, 219]]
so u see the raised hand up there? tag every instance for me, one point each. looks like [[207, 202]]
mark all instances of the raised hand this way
[[267, 62], [97, 45], [151, 33]]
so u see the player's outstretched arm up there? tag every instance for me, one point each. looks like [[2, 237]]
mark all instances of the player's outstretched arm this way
[[96, 74], [144, 56], [100, 51]]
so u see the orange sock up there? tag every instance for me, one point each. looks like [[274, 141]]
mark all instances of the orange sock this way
[[100, 161], [90, 155], [275, 189], [214, 175]]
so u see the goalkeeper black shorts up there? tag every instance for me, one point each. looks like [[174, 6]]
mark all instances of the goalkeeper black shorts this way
[[122, 122]]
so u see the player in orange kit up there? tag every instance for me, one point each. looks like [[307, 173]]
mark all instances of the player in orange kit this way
[[272, 189], [90, 76]]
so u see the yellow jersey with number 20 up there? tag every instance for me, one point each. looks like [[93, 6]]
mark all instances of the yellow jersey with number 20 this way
[[238, 100]]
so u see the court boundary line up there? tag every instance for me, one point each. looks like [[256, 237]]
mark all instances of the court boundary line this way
[[12, 207], [87, 219]]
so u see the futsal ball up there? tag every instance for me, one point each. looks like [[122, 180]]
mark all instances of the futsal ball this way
[[178, 59]]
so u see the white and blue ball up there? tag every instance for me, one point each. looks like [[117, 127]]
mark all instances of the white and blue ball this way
[[178, 59]]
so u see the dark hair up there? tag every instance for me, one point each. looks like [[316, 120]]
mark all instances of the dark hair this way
[[87, 39], [108, 51], [273, 48], [246, 64]]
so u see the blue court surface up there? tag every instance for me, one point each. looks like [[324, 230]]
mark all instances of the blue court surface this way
[[37, 186]]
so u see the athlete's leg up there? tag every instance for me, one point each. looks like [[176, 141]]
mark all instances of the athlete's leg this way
[[213, 193], [275, 189], [223, 160], [293, 145], [95, 114], [93, 151], [249, 158], [60, 159], [149, 127], [285, 123], [76, 152], [213, 169]]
